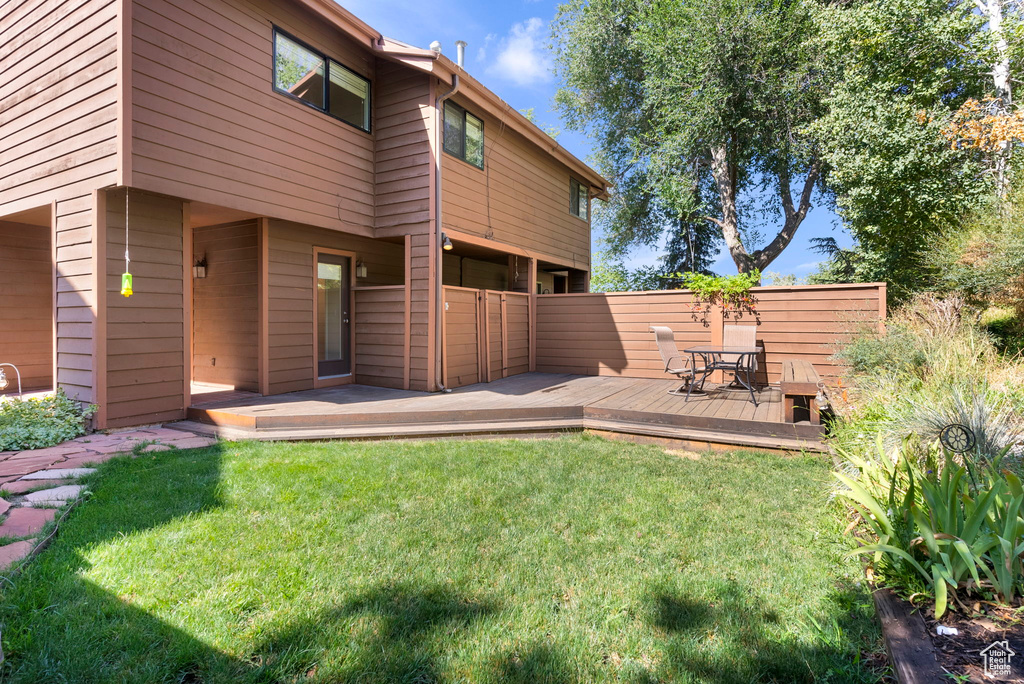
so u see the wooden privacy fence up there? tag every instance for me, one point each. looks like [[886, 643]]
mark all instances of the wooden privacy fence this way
[[486, 335], [380, 336], [607, 333]]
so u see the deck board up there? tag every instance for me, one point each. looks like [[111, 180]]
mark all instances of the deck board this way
[[532, 399]]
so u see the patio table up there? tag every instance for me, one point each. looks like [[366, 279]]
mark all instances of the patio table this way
[[741, 361]]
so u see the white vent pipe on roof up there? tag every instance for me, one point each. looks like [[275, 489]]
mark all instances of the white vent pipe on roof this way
[[436, 46], [461, 60]]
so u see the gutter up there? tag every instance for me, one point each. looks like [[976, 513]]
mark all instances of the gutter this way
[[438, 252]]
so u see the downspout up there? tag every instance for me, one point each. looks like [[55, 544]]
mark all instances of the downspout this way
[[438, 288]]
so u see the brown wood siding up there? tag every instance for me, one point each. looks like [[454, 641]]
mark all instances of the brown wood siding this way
[[422, 312], [76, 297], [473, 273], [496, 342], [26, 290], [607, 334], [208, 126], [380, 336], [520, 197], [461, 343], [403, 161], [58, 100], [518, 321], [290, 290], [225, 306], [145, 332]]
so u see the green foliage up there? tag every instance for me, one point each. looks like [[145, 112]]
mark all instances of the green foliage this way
[[729, 292], [898, 69], [958, 526], [661, 86], [609, 274], [41, 421]]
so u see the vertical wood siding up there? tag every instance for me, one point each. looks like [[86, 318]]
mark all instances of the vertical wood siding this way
[[380, 336], [290, 291], [403, 161], [491, 202], [461, 340], [225, 306], [76, 297], [607, 334], [58, 100], [518, 321], [208, 126], [146, 332], [26, 290]]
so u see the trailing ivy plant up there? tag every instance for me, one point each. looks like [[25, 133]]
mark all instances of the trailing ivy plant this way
[[733, 293], [41, 421]]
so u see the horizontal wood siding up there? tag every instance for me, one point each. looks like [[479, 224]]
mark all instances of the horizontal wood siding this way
[[462, 360], [225, 306], [607, 334], [380, 336], [145, 332], [517, 309], [26, 290], [290, 293], [421, 350], [207, 124], [76, 296], [58, 100], [496, 349], [520, 197], [403, 161], [474, 273]]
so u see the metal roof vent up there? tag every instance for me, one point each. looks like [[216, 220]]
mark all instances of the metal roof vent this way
[[436, 46], [461, 46]]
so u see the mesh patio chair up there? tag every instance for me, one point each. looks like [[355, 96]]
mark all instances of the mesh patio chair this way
[[736, 336], [675, 363]]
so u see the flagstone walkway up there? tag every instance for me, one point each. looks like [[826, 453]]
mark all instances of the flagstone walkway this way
[[36, 482]]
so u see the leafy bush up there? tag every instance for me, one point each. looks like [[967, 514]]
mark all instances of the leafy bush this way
[[958, 526], [41, 422]]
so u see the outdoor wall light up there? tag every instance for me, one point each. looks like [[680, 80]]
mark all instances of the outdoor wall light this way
[[446, 243], [4, 382], [360, 269]]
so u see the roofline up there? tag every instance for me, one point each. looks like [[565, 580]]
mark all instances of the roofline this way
[[444, 68]]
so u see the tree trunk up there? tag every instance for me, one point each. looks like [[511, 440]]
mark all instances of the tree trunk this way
[[725, 183], [992, 10]]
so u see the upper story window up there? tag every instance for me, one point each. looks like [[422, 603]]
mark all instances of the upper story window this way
[[311, 77], [578, 199], [463, 134]]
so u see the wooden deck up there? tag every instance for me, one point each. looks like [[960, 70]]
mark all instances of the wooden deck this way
[[528, 404]]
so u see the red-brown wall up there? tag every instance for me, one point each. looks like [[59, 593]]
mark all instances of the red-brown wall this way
[[26, 293]]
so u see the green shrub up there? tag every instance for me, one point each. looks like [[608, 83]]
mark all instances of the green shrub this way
[[898, 350], [41, 422], [956, 525]]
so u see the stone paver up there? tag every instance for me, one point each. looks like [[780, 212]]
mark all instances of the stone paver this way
[[150, 448], [22, 486], [194, 442], [12, 553], [57, 496], [22, 522], [5, 506], [59, 473]]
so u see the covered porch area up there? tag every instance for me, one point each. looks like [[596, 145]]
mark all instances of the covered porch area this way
[[531, 404]]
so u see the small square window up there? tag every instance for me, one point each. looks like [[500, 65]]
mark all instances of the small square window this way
[[578, 199], [463, 135]]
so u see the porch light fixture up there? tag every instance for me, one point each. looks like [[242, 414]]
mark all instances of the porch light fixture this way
[[360, 269], [446, 243], [4, 382]]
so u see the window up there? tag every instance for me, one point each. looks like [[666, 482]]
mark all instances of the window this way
[[463, 135], [305, 74], [578, 199]]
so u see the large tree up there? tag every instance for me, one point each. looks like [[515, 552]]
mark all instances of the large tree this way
[[699, 111]]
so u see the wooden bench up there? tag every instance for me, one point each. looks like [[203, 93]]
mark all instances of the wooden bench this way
[[799, 379]]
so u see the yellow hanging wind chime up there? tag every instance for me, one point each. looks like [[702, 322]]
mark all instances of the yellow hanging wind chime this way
[[126, 277]]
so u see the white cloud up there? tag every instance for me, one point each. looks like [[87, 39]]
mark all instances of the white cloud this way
[[522, 56], [810, 266], [481, 53]]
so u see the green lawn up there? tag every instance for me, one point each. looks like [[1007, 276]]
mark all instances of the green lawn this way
[[570, 560]]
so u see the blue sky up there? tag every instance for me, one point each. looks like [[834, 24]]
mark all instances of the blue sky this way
[[508, 53]]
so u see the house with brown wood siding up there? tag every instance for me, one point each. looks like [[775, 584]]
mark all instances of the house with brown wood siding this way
[[302, 201]]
